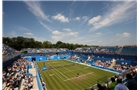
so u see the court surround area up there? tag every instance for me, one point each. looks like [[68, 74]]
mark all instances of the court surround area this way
[[66, 75]]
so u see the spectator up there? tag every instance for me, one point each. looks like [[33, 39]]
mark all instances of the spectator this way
[[120, 85], [131, 83], [43, 84], [92, 88], [113, 84], [104, 86], [100, 87]]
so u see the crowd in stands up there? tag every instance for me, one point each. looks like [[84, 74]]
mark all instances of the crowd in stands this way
[[118, 67], [45, 50], [28, 82], [129, 82], [129, 50], [83, 50], [125, 50], [128, 46], [73, 57], [107, 50], [8, 52], [102, 63], [13, 74], [121, 67]]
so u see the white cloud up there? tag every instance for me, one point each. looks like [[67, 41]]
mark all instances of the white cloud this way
[[94, 19], [98, 33], [23, 28], [60, 36], [30, 34], [67, 29], [27, 35], [61, 18], [35, 8], [77, 18], [85, 19], [44, 25], [56, 32], [11, 34], [73, 2], [100, 41], [42, 39], [125, 34], [73, 33], [125, 39], [118, 13]]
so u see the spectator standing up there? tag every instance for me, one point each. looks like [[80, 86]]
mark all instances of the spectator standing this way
[[131, 83], [113, 84], [120, 85]]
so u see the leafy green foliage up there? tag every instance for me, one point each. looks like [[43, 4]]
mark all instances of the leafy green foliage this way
[[20, 43]]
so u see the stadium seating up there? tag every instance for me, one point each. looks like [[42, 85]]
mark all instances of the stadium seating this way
[[101, 58], [129, 51], [9, 53], [45, 50]]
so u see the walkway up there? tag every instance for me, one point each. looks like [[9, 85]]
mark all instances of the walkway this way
[[33, 72]]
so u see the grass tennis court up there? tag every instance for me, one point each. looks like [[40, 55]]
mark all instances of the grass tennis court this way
[[66, 75]]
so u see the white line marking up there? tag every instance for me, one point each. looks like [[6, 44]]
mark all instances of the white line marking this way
[[66, 68], [51, 74], [59, 72], [75, 70], [86, 67], [78, 76]]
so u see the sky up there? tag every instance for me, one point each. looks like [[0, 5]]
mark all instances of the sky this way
[[103, 23]]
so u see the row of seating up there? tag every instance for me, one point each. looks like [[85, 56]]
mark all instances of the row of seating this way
[[45, 50], [109, 50], [8, 52]]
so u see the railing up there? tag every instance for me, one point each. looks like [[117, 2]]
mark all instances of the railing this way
[[38, 78]]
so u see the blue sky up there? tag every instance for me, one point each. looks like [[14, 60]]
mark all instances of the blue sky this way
[[104, 23]]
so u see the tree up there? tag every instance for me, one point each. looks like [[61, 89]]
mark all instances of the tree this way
[[58, 44], [20, 42], [47, 44], [38, 44]]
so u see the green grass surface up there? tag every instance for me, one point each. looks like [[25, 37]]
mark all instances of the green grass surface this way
[[63, 75]]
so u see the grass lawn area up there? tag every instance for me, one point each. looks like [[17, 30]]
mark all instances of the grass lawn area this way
[[64, 75]]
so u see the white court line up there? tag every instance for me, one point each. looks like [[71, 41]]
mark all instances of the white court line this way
[[51, 74], [66, 68], [59, 72], [79, 76], [86, 67], [75, 70]]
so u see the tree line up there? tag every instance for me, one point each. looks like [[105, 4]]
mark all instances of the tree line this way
[[20, 43]]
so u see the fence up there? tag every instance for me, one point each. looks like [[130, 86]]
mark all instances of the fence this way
[[40, 87]]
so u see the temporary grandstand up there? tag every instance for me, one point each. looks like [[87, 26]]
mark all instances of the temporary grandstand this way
[[85, 67]]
